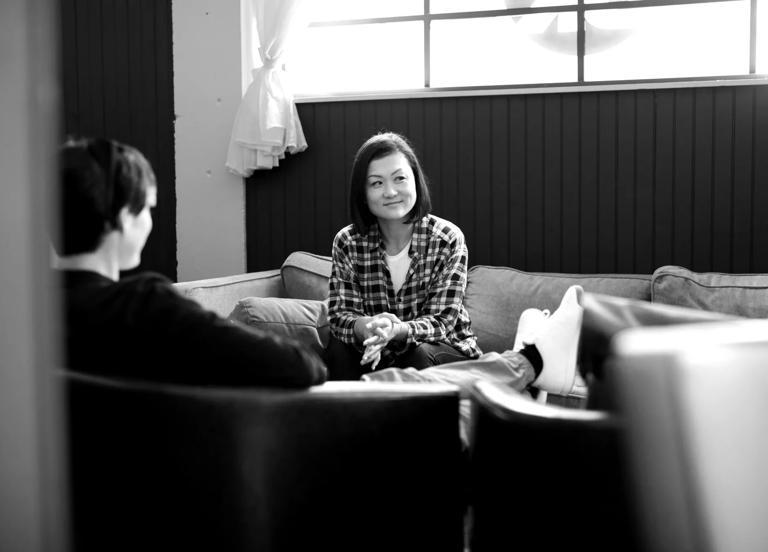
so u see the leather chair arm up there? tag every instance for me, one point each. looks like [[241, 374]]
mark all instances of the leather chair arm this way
[[556, 472]]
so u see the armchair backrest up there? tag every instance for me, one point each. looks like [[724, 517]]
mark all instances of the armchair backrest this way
[[347, 466]]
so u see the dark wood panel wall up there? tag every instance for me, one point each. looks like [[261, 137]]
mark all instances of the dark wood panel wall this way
[[117, 79], [618, 181]]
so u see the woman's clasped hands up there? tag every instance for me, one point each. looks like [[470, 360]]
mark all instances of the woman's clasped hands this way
[[380, 330]]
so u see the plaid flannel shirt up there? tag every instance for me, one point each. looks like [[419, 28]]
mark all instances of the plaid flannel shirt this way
[[430, 302]]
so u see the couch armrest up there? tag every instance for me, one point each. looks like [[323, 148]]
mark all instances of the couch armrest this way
[[306, 275], [342, 466], [221, 294]]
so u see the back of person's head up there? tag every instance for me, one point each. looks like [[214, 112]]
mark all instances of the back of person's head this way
[[97, 179], [376, 147]]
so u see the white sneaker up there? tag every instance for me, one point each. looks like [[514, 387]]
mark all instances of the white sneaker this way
[[579, 388], [528, 327], [558, 344]]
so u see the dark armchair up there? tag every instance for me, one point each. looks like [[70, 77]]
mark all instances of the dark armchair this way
[[348, 466]]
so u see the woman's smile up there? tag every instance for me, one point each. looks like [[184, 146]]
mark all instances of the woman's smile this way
[[391, 188]]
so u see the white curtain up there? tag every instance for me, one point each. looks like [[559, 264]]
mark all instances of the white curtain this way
[[267, 123]]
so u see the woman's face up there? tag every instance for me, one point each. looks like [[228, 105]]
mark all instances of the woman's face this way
[[390, 187], [136, 229]]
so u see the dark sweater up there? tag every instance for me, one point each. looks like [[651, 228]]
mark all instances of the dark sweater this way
[[141, 327]]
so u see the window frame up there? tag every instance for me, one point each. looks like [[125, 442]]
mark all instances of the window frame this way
[[580, 85]]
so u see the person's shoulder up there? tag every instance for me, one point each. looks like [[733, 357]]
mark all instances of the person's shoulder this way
[[154, 293], [349, 237], [146, 283], [146, 279], [346, 234], [444, 230]]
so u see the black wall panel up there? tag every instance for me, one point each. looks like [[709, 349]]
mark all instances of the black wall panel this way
[[117, 79], [615, 181]]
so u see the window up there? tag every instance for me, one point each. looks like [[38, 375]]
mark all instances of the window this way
[[356, 46]]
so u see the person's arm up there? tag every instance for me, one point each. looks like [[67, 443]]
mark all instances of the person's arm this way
[[445, 295], [345, 303], [215, 350]]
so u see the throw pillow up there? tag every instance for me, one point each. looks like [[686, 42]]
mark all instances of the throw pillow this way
[[737, 294], [302, 319]]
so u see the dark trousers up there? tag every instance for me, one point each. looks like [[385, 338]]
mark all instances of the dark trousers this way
[[343, 360]]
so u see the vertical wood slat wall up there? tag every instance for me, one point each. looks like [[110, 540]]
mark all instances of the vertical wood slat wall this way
[[615, 181], [117, 82]]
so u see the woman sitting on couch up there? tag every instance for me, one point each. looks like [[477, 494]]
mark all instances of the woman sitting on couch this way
[[399, 273], [140, 326], [397, 288]]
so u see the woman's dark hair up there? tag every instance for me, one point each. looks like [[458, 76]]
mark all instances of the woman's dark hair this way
[[376, 147], [97, 178]]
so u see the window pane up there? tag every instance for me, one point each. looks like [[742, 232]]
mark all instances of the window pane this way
[[762, 37], [667, 41], [380, 56], [535, 48], [453, 6], [338, 10]]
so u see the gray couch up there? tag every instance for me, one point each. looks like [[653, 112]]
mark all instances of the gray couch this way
[[292, 300]]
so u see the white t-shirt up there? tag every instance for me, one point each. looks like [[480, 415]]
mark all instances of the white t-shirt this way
[[398, 266]]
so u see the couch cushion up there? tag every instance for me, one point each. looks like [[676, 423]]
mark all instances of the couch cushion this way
[[496, 296], [738, 294], [302, 319], [306, 275]]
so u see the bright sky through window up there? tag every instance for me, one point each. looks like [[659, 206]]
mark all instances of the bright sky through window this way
[[349, 49]]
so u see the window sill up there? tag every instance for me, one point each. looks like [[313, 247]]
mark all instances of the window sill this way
[[748, 80]]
